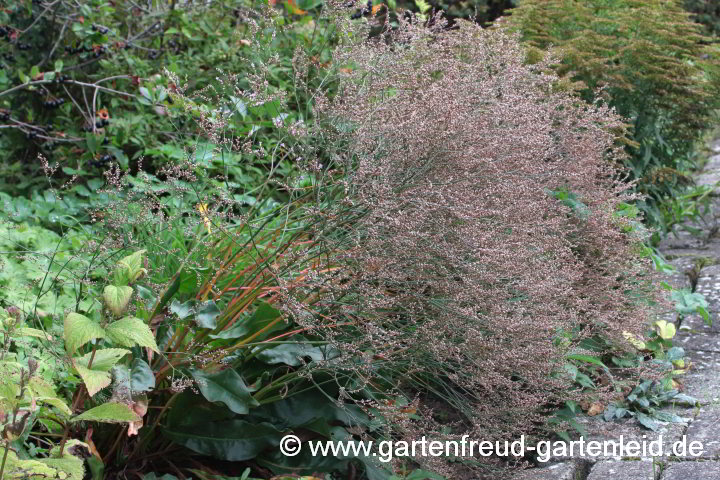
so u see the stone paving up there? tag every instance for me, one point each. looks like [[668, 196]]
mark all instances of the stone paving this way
[[697, 261]]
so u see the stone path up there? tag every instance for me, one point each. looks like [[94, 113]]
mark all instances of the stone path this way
[[697, 260]]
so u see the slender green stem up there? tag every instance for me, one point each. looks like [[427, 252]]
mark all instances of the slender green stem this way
[[2, 467]]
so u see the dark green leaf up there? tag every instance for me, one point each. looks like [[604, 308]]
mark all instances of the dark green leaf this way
[[232, 440], [142, 378], [227, 387]]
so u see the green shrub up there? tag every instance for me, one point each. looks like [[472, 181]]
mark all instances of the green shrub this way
[[85, 87], [706, 12], [648, 61]]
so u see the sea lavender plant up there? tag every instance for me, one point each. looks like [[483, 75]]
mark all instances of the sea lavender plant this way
[[478, 240]]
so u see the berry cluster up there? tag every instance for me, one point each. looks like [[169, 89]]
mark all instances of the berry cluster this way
[[102, 122], [103, 160], [23, 46], [53, 103], [4, 115], [365, 11], [3, 31], [101, 29], [80, 49]]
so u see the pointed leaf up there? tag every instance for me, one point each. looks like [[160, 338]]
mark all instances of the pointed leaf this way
[[95, 380], [227, 387], [110, 412], [206, 313], [182, 310], [103, 360], [79, 330], [117, 299], [129, 269], [233, 440], [142, 378], [55, 402], [131, 331]]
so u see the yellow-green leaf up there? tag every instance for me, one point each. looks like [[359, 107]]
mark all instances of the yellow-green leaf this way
[[55, 402], [117, 299], [634, 341], [665, 330], [95, 380], [131, 331], [110, 412], [32, 332], [103, 360], [79, 330]]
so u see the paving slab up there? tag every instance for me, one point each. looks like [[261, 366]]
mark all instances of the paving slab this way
[[697, 340], [691, 471], [695, 324], [618, 432], [680, 240], [625, 470], [702, 381], [557, 471], [705, 428], [708, 177]]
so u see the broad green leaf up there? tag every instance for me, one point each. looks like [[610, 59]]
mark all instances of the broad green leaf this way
[[291, 354], [117, 299], [687, 301], [259, 320], [227, 387], [142, 378], [55, 402], [103, 360], [95, 380], [675, 353], [32, 332], [646, 421], [41, 388], [587, 359], [110, 412], [131, 331], [78, 330], [129, 269], [182, 310], [69, 467], [233, 440], [206, 313], [58, 65]]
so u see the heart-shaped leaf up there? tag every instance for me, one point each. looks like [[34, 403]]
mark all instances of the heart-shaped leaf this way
[[117, 299], [665, 330], [131, 331], [78, 330]]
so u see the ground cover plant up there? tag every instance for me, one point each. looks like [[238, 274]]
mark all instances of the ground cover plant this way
[[347, 229]]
